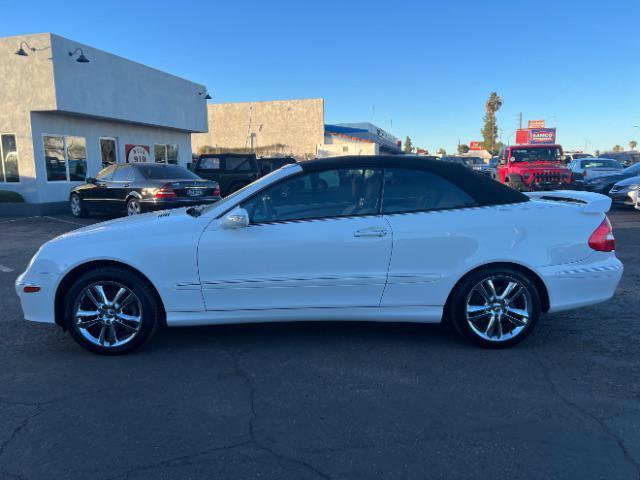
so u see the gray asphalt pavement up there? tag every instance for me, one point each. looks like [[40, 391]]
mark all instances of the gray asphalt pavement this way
[[325, 400]]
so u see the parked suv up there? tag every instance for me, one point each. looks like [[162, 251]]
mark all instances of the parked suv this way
[[232, 171], [531, 167]]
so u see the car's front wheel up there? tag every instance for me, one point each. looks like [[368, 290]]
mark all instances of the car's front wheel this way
[[78, 209], [496, 307], [111, 311]]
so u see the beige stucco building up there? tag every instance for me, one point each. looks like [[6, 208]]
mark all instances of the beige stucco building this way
[[279, 127], [68, 109], [288, 127]]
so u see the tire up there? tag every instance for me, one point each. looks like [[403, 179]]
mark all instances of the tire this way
[[515, 182], [123, 323], [489, 321], [133, 207], [77, 206]]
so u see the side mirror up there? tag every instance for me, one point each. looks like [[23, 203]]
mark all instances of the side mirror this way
[[236, 218], [90, 180]]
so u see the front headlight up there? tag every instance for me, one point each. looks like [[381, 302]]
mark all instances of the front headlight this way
[[635, 186]]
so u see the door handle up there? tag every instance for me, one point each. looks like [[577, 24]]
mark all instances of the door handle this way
[[125, 185], [370, 232]]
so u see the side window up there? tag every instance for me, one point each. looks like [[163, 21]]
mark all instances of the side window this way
[[105, 173], [408, 190], [122, 174], [331, 193], [238, 164], [209, 163]]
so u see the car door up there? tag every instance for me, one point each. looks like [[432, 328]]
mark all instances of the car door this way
[[95, 193], [314, 240], [118, 187], [433, 236]]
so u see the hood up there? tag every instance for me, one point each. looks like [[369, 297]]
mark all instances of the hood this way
[[629, 181], [138, 222], [605, 179]]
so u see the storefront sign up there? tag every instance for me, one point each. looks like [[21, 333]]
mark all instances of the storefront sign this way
[[535, 124], [542, 135], [137, 153], [475, 146]]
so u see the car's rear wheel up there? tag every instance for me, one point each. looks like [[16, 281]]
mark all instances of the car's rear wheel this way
[[78, 209], [133, 207], [496, 307], [111, 311]]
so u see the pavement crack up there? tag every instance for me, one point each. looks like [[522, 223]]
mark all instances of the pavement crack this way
[[21, 426], [246, 378], [585, 413]]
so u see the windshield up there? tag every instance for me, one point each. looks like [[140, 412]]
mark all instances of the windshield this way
[[166, 172], [543, 154], [600, 163], [229, 198]]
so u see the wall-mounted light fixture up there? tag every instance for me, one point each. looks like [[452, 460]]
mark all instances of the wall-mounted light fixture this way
[[206, 95], [81, 58], [20, 52]]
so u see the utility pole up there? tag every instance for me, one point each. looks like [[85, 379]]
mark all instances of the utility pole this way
[[520, 119]]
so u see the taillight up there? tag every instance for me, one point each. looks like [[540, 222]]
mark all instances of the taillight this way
[[602, 240], [216, 192], [165, 192]]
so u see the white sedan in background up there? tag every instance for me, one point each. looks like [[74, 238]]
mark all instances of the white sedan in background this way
[[389, 239], [591, 168]]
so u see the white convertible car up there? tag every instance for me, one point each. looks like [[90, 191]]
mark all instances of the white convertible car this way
[[394, 239]]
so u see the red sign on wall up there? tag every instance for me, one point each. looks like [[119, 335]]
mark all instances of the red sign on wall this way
[[475, 146], [137, 153]]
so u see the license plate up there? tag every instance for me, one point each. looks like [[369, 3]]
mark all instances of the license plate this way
[[194, 192]]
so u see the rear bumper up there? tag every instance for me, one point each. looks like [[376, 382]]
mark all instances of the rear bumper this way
[[163, 204], [582, 284]]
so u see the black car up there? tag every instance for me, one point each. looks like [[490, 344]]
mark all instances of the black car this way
[[603, 184], [269, 164], [141, 187]]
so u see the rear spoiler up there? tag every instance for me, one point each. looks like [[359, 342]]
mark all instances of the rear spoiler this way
[[593, 202]]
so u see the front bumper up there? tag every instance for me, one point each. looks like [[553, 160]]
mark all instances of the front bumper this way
[[163, 204], [38, 306], [625, 197], [543, 186]]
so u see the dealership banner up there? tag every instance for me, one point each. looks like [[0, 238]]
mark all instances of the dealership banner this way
[[542, 135], [475, 146], [137, 153]]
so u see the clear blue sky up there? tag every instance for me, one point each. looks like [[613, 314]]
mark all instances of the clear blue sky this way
[[427, 66]]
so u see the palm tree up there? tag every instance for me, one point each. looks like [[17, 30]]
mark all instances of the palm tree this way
[[633, 144]]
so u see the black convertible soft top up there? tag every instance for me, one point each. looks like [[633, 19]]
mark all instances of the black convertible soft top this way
[[481, 188]]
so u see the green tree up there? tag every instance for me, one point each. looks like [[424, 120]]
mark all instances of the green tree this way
[[617, 148], [463, 148], [408, 146], [442, 151], [633, 144], [490, 130]]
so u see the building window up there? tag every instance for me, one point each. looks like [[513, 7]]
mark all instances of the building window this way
[[172, 154], [165, 153], [65, 158], [8, 159], [108, 151]]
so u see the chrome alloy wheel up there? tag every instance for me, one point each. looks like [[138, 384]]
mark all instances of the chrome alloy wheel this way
[[76, 208], [498, 308], [133, 208], [108, 314]]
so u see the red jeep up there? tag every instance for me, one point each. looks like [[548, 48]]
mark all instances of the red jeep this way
[[534, 167]]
